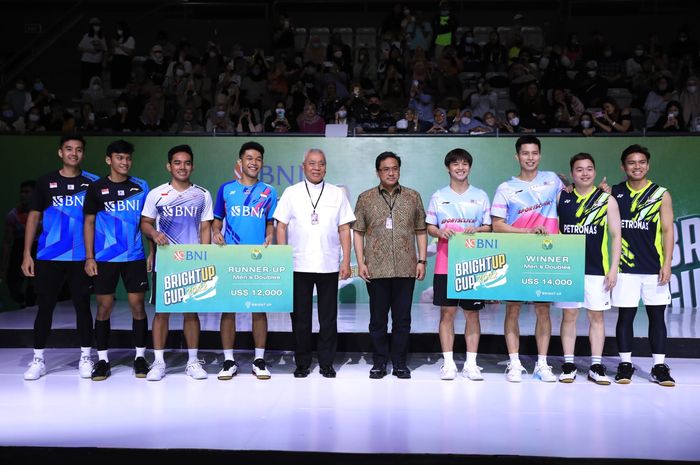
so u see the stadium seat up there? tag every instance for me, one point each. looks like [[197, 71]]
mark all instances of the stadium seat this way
[[345, 34]]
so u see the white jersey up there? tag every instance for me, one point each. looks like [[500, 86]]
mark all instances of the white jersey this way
[[179, 215]]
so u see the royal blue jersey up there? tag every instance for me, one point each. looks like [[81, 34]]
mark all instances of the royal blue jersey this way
[[246, 211], [60, 200], [117, 206]]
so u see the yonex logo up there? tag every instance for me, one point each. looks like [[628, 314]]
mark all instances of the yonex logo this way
[[567, 201], [620, 195], [134, 189]]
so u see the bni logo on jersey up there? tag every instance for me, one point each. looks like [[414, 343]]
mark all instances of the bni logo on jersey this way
[[189, 255]]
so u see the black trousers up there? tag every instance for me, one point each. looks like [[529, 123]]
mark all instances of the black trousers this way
[[395, 295], [327, 292]]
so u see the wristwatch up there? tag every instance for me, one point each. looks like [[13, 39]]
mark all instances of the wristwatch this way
[[423, 262]]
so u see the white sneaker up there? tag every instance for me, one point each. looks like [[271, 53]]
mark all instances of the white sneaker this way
[[544, 373], [195, 370], [514, 372], [260, 369], [472, 372], [36, 369], [157, 371], [85, 367], [448, 371], [228, 371]]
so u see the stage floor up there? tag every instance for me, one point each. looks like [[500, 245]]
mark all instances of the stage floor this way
[[351, 413]]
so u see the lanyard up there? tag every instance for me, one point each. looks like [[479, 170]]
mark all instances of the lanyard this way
[[393, 201], [314, 205]]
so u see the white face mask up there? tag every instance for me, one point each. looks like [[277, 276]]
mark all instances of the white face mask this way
[[338, 54], [220, 114], [672, 114], [544, 62], [692, 89], [639, 52], [33, 117], [179, 72], [122, 110], [585, 123], [91, 117], [120, 32], [514, 121], [402, 124], [466, 120], [96, 87], [592, 73], [342, 114]]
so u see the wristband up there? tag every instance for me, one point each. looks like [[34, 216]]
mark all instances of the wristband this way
[[422, 262]]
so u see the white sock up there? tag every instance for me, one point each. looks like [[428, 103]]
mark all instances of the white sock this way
[[158, 354], [192, 355], [140, 352], [658, 358], [471, 358], [568, 359], [515, 358], [85, 351], [596, 360], [541, 359], [259, 353], [626, 357], [449, 359], [102, 355], [228, 354], [39, 353]]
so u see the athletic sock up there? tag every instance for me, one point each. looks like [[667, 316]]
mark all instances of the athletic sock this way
[[471, 359], [39, 353], [595, 360], [259, 353], [158, 354], [568, 359], [191, 355], [515, 358], [140, 352], [85, 351], [228, 354], [626, 357], [449, 359], [541, 359], [658, 358], [102, 355]]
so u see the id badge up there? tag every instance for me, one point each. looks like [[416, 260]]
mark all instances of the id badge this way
[[389, 223], [314, 218]]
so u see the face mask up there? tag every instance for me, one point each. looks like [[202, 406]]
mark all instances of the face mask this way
[[179, 72], [406, 12], [19, 86], [585, 123], [8, 113], [212, 54], [33, 117], [565, 61], [96, 29], [544, 62], [692, 89], [120, 32], [286, 24], [38, 86], [514, 121], [122, 110], [220, 114], [96, 87], [91, 117], [356, 93], [469, 40], [639, 52], [592, 73], [466, 120], [280, 112], [342, 114], [338, 54], [402, 124], [672, 114]]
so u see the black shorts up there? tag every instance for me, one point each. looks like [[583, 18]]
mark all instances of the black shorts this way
[[51, 275], [133, 274], [440, 296]]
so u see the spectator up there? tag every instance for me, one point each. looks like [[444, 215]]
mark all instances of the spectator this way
[[309, 122], [33, 121], [219, 119], [392, 91], [589, 86], [512, 123], [277, 121], [672, 121], [363, 72], [283, 46], [214, 67], [58, 119], [482, 101], [419, 32], [421, 102], [490, 122], [566, 108], [151, 120], [656, 51], [329, 103], [444, 25], [166, 47], [248, 121], [254, 84], [156, 65], [187, 123], [682, 54], [339, 53], [391, 24], [123, 119], [643, 82], [19, 98], [633, 65], [449, 66], [657, 99], [410, 124], [613, 118], [690, 102], [376, 120], [465, 123], [533, 108], [611, 68], [469, 52], [572, 50], [594, 49], [494, 55], [123, 45], [181, 61], [585, 125], [41, 97], [92, 48], [440, 124], [87, 121], [277, 84], [314, 51], [341, 116]]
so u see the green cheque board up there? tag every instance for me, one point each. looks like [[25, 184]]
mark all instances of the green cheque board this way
[[229, 278], [520, 267]]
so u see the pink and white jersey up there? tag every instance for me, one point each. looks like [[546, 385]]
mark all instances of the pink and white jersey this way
[[448, 209], [529, 204]]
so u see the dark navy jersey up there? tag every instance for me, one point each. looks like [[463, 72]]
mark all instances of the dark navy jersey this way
[[117, 206], [60, 200], [640, 214], [588, 215]]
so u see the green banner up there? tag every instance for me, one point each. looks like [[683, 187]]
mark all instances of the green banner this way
[[524, 267], [230, 278]]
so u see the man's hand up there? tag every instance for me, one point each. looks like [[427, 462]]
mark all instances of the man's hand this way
[[665, 274], [345, 271], [610, 279], [363, 272], [160, 239], [420, 271], [91, 267], [28, 267], [218, 238]]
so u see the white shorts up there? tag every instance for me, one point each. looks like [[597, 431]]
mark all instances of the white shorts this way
[[631, 287], [595, 296]]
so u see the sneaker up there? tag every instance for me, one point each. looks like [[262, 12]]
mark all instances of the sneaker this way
[[101, 371], [596, 373], [260, 370], [661, 373], [85, 367], [157, 371], [544, 373], [625, 370], [448, 371], [37, 369], [568, 373], [140, 367], [472, 372], [195, 370], [228, 371], [514, 372]]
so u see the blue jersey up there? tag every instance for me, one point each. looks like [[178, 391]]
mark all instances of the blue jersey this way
[[246, 209], [60, 199], [117, 206]]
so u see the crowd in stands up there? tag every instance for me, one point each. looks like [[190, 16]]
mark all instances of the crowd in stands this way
[[422, 72]]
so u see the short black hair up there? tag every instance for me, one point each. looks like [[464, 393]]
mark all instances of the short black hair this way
[[383, 156], [66, 137], [528, 139], [180, 148], [635, 148], [119, 146], [581, 156], [28, 183], [458, 155], [251, 146]]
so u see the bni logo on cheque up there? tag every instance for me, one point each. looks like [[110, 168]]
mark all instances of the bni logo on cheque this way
[[481, 243], [186, 255]]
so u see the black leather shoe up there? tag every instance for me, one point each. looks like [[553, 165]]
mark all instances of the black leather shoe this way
[[301, 372], [378, 371], [327, 371], [402, 373]]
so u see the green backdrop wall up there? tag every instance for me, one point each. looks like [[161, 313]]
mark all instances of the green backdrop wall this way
[[675, 164]]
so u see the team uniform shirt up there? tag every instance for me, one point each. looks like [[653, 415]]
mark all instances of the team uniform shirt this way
[[179, 215], [61, 199], [587, 215], [640, 212], [448, 209], [117, 206], [246, 211], [528, 204]]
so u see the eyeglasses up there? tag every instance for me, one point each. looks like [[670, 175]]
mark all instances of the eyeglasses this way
[[389, 169]]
